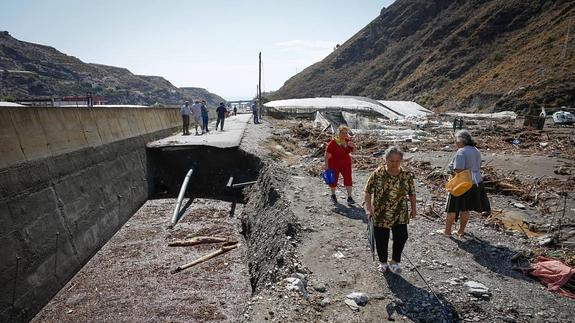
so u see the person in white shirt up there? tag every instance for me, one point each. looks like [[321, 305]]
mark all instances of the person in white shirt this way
[[185, 112], [197, 115]]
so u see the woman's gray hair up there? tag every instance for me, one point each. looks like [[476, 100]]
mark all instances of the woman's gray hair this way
[[465, 137], [393, 150]]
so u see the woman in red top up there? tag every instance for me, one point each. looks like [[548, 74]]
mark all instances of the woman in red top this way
[[338, 160]]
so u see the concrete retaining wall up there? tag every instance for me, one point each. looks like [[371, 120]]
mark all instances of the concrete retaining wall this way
[[75, 177], [28, 133]]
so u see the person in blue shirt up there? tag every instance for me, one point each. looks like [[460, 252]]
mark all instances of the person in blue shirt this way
[[221, 111], [205, 117], [255, 112]]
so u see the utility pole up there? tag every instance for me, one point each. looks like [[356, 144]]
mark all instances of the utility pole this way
[[260, 105]]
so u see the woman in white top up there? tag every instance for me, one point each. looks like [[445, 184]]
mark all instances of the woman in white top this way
[[467, 157]]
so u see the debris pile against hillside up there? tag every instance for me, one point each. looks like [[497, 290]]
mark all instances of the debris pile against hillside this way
[[533, 142]]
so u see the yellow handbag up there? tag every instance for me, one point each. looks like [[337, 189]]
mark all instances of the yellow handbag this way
[[459, 183]]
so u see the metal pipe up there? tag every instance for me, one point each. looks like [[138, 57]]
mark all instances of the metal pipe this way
[[230, 181], [181, 197], [238, 185]]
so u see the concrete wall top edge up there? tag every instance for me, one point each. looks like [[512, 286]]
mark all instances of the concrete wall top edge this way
[[30, 133]]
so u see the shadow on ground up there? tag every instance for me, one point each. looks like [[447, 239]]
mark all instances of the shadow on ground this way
[[353, 212], [495, 258], [416, 303]]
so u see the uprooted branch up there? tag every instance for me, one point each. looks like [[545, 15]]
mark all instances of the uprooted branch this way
[[199, 240], [218, 252]]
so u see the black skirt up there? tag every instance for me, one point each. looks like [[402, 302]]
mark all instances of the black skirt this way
[[473, 200]]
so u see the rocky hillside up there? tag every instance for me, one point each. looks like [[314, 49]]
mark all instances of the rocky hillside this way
[[465, 54], [32, 70]]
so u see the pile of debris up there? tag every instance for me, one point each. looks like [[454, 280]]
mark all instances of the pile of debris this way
[[536, 142]]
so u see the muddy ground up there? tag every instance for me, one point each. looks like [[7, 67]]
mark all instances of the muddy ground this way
[[289, 227]]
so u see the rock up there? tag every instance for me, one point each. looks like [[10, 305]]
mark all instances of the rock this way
[[325, 302], [297, 285], [352, 305], [447, 148], [301, 277], [519, 206], [545, 240], [476, 289], [320, 287], [453, 281], [338, 255], [360, 299]]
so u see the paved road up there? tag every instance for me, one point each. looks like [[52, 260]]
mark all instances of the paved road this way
[[234, 128]]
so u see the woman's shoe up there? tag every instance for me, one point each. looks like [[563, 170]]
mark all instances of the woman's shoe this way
[[382, 267], [334, 199]]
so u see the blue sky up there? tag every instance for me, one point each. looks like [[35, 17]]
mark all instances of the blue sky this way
[[211, 44]]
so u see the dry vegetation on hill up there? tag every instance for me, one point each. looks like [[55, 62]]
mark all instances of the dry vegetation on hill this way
[[474, 55]]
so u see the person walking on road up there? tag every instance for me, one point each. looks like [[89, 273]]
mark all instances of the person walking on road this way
[[205, 117], [255, 112], [386, 194], [185, 112], [197, 114], [338, 159], [221, 111], [467, 157], [235, 110]]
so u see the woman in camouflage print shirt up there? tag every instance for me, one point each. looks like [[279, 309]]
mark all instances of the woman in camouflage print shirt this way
[[391, 187]]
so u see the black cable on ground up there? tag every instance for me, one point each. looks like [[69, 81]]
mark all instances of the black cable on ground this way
[[443, 307]]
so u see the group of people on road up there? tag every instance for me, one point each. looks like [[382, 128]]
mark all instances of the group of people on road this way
[[200, 116], [389, 194]]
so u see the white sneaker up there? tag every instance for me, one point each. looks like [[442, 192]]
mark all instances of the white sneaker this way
[[382, 267], [395, 268]]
